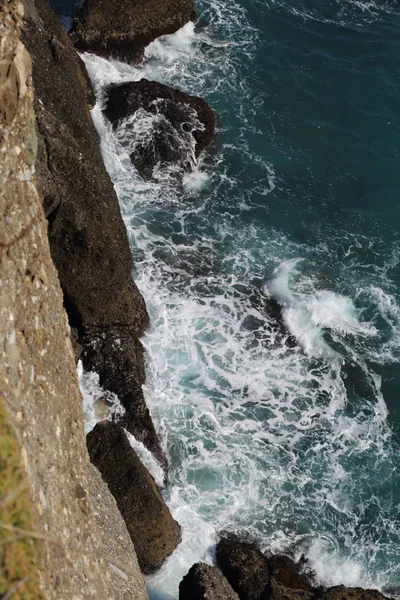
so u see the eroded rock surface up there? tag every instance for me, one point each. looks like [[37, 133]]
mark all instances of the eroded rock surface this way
[[154, 533], [88, 237], [340, 592], [284, 571], [204, 582], [123, 28], [38, 382], [163, 129], [118, 549], [244, 566]]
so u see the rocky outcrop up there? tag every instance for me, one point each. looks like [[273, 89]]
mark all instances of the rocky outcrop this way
[[88, 238], [284, 571], [340, 592], [280, 592], [244, 566], [118, 549], [117, 355], [153, 531], [132, 27], [161, 127], [38, 379], [255, 576], [203, 582]]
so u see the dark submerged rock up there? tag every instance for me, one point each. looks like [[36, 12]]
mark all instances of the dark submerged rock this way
[[203, 582], [244, 566], [88, 238], [154, 533], [178, 126], [123, 28]]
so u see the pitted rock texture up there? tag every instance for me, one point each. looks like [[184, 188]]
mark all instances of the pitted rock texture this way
[[119, 551], [340, 592], [204, 582], [38, 380], [244, 566], [284, 571], [88, 238], [154, 533], [123, 28]]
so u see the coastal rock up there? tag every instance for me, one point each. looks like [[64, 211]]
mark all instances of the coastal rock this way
[[154, 533], [280, 592], [88, 238], [43, 457], [203, 582], [123, 28], [114, 354], [118, 549], [285, 572], [340, 592], [162, 128], [244, 566]]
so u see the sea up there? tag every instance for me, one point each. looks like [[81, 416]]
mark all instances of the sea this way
[[282, 425]]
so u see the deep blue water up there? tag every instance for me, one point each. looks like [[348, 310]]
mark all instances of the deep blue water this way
[[299, 194]]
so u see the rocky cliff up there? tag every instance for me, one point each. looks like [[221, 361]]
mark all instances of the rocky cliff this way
[[38, 381], [88, 238]]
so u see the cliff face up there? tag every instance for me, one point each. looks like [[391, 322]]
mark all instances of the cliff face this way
[[38, 382], [88, 238]]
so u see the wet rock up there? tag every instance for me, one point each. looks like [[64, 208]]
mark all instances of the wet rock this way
[[244, 566], [154, 533], [285, 572], [161, 127], [88, 239], [123, 28], [280, 592], [204, 582], [117, 355], [340, 592]]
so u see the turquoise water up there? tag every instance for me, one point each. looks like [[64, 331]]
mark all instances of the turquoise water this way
[[297, 199]]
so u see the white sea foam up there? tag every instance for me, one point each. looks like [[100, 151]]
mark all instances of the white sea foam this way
[[344, 13], [98, 404], [147, 459]]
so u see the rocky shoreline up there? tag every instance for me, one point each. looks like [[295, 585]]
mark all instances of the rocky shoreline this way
[[127, 525]]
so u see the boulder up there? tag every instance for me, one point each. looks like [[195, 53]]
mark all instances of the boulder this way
[[88, 239], [244, 566], [153, 531], [204, 582], [285, 572], [162, 128], [123, 28]]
